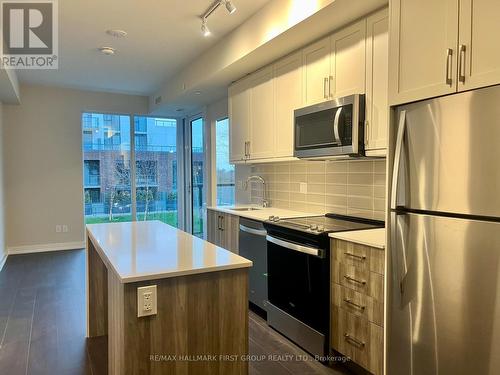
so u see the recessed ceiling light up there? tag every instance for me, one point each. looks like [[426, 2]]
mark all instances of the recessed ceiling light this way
[[116, 33], [197, 92], [108, 51]]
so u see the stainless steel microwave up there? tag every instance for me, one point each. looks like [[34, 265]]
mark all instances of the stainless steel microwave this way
[[330, 129]]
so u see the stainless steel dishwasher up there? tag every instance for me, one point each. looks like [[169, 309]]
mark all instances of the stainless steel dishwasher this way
[[253, 246]]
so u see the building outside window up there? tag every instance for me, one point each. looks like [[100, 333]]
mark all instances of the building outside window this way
[[225, 179], [106, 146]]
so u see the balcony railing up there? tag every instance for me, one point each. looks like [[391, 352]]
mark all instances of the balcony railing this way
[[92, 180], [126, 147]]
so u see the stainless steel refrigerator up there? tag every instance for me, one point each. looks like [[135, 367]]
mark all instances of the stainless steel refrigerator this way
[[444, 286]]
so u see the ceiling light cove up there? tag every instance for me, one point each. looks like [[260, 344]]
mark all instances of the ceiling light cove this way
[[229, 7]]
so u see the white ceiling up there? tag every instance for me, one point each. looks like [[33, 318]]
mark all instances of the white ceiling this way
[[163, 36]]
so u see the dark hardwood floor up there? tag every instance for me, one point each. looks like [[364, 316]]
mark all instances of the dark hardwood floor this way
[[42, 324]]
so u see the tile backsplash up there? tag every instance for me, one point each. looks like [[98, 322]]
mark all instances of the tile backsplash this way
[[348, 187]]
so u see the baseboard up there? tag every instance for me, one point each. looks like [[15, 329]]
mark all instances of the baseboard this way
[[3, 260], [45, 247]]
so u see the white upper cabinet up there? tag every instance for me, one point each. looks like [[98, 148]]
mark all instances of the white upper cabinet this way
[[423, 49], [262, 114], [316, 65], [239, 115], [287, 98], [261, 106], [479, 49], [347, 61], [377, 106]]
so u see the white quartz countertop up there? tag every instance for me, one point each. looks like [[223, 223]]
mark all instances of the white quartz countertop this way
[[261, 214], [368, 237], [148, 250]]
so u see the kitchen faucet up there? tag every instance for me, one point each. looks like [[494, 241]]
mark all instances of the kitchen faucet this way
[[265, 202]]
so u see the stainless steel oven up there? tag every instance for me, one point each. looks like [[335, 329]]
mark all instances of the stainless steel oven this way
[[330, 129]]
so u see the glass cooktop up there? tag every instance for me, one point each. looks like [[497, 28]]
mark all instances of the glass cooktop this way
[[326, 224]]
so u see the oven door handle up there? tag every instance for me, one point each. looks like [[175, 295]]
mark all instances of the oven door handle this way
[[296, 247]]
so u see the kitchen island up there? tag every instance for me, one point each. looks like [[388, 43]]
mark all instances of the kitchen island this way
[[201, 323]]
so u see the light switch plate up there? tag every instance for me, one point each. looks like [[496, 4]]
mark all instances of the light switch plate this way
[[303, 187], [146, 301]]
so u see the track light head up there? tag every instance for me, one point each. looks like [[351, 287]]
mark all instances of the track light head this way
[[230, 7], [204, 28]]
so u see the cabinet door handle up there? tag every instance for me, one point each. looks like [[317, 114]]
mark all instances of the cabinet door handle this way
[[449, 61], [249, 149], [222, 223], [354, 340], [218, 222], [330, 86], [367, 133], [325, 84], [350, 278], [348, 301], [461, 63], [360, 257]]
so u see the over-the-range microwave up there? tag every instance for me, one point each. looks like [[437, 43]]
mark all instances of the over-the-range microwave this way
[[330, 129]]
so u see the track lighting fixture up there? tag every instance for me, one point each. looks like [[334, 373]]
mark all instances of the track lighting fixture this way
[[229, 7]]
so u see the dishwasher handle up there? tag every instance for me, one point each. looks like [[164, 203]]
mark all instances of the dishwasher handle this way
[[257, 232]]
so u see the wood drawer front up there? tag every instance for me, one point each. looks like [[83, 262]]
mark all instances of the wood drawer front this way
[[359, 280], [361, 256], [358, 339], [358, 304]]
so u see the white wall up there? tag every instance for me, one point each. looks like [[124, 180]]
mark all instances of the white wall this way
[[43, 162], [3, 248]]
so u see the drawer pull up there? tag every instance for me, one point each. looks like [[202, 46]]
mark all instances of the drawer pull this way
[[350, 278], [353, 340], [360, 257], [361, 307]]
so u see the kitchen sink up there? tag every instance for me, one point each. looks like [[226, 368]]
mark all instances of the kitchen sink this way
[[245, 209]]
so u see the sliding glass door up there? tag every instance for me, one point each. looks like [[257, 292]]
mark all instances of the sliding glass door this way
[[106, 167], [156, 169], [132, 166], [129, 173]]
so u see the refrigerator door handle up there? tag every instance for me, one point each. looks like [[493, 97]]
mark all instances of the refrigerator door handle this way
[[397, 158], [397, 240]]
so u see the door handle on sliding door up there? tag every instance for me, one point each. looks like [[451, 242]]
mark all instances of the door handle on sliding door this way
[[397, 158]]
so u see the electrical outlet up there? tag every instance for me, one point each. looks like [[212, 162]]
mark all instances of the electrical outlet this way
[[146, 301], [303, 187], [58, 228], [239, 185], [65, 228]]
